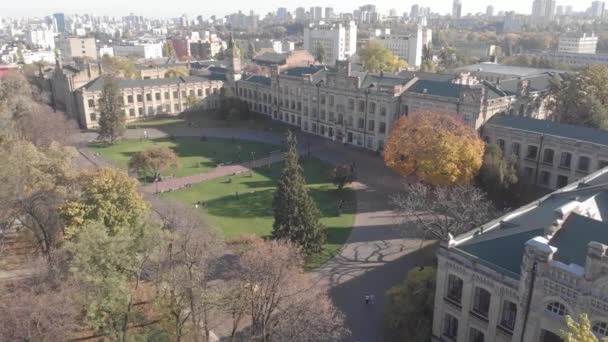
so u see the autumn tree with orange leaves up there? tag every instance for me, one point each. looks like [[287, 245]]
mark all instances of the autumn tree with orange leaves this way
[[437, 148]]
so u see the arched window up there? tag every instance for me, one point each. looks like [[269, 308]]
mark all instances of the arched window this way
[[557, 308], [600, 329]]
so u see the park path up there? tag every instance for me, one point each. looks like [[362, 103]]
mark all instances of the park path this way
[[375, 257]]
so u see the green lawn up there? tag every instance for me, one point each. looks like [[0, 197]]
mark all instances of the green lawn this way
[[251, 212], [195, 156], [208, 120]]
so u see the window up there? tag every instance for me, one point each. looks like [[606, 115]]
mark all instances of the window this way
[[600, 329], [565, 160], [481, 302], [360, 123], [372, 108], [548, 156], [450, 326], [545, 178], [383, 111], [93, 116], [322, 99], [475, 335], [140, 111], [176, 107], [140, 98], [167, 96], [562, 181], [515, 149], [532, 152], [509, 314], [191, 92], [501, 144], [371, 125], [382, 128], [557, 308], [351, 104], [331, 100], [184, 94], [175, 94], [361, 106], [150, 110], [130, 98], [148, 97], [157, 96], [131, 112], [91, 103], [454, 288], [583, 164]]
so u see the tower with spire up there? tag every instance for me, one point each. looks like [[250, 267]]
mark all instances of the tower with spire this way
[[233, 54]]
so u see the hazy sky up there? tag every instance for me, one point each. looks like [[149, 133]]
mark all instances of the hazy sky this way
[[157, 8]]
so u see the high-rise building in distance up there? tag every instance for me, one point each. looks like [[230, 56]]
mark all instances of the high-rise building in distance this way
[[597, 9], [543, 9], [457, 9], [60, 22], [490, 11]]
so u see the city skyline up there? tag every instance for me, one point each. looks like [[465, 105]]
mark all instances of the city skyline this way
[[116, 8]]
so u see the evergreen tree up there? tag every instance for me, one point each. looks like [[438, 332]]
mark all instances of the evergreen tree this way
[[111, 114], [296, 216]]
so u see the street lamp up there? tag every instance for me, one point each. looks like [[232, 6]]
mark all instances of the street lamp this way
[[318, 85], [367, 91]]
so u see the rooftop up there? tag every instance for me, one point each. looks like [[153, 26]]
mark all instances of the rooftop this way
[[436, 88], [500, 243], [97, 84], [301, 71], [580, 133], [502, 69]]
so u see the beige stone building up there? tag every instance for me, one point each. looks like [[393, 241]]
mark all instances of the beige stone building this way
[[358, 108], [78, 47], [549, 154], [517, 277]]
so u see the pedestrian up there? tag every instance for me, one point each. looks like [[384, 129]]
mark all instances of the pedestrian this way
[[367, 299]]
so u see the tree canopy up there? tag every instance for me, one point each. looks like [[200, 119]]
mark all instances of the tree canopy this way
[[119, 67], [376, 58], [112, 118], [320, 53], [580, 331], [153, 160], [437, 148]]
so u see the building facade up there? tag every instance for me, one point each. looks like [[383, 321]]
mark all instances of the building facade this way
[[40, 38], [148, 51], [359, 108], [78, 47], [549, 154], [578, 44], [517, 277], [338, 40]]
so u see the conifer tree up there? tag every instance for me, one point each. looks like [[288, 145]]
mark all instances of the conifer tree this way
[[296, 216], [111, 114]]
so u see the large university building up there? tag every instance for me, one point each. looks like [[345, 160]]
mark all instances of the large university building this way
[[517, 277]]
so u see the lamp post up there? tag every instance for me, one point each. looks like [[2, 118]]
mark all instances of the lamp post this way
[[367, 91], [318, 85]]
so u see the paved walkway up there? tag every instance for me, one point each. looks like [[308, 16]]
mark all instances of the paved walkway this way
[[376, 255]]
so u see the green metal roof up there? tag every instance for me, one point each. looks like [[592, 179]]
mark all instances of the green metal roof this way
[[574, 236], [436, 88], [97, 84]]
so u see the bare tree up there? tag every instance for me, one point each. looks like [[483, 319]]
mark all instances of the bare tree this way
[[189, 266], [279, 299], [42, 126], [442, 212], [37, 312]]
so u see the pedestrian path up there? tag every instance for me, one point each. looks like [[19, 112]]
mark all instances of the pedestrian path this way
[[174, 184]]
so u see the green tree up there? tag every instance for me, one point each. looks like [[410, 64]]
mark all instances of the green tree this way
[[111, 268], [296, 216], [176, 72], [579, 331], [341, 175], [408, 314], [153, 160], [119, 67], [320, 53], [105, 195], [112, 119], [498, 175], [376, 58], [168, 50]]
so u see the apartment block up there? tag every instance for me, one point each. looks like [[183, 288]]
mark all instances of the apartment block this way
[[585, 43], [339, 40]]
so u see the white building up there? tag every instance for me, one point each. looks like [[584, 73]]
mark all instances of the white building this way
[[30, 57], [147, 51], [106, 51], [407, 46], [339, 40], [577, 44], [41, 39]]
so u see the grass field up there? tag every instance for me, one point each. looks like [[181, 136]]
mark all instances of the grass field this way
[[195, 156], [251, 210]]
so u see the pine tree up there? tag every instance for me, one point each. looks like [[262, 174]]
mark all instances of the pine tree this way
[[111, 114], [296, 216]]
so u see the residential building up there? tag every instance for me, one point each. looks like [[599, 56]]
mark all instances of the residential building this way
[[147, 51], [300, 14], [359, 108], [45, 56], [490, 11], [339, 40], [105, 50], [59, 19], [597, 9], [40, 38], [496, 73], [575, 59], [78, 47], [329, 12], [318, 13], [543, 9], [516, 278], [407, 46], [457, 9], [549, 154], [284, 61], [576, 43]]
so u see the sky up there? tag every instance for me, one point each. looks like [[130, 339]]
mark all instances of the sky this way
[[207, 8]]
